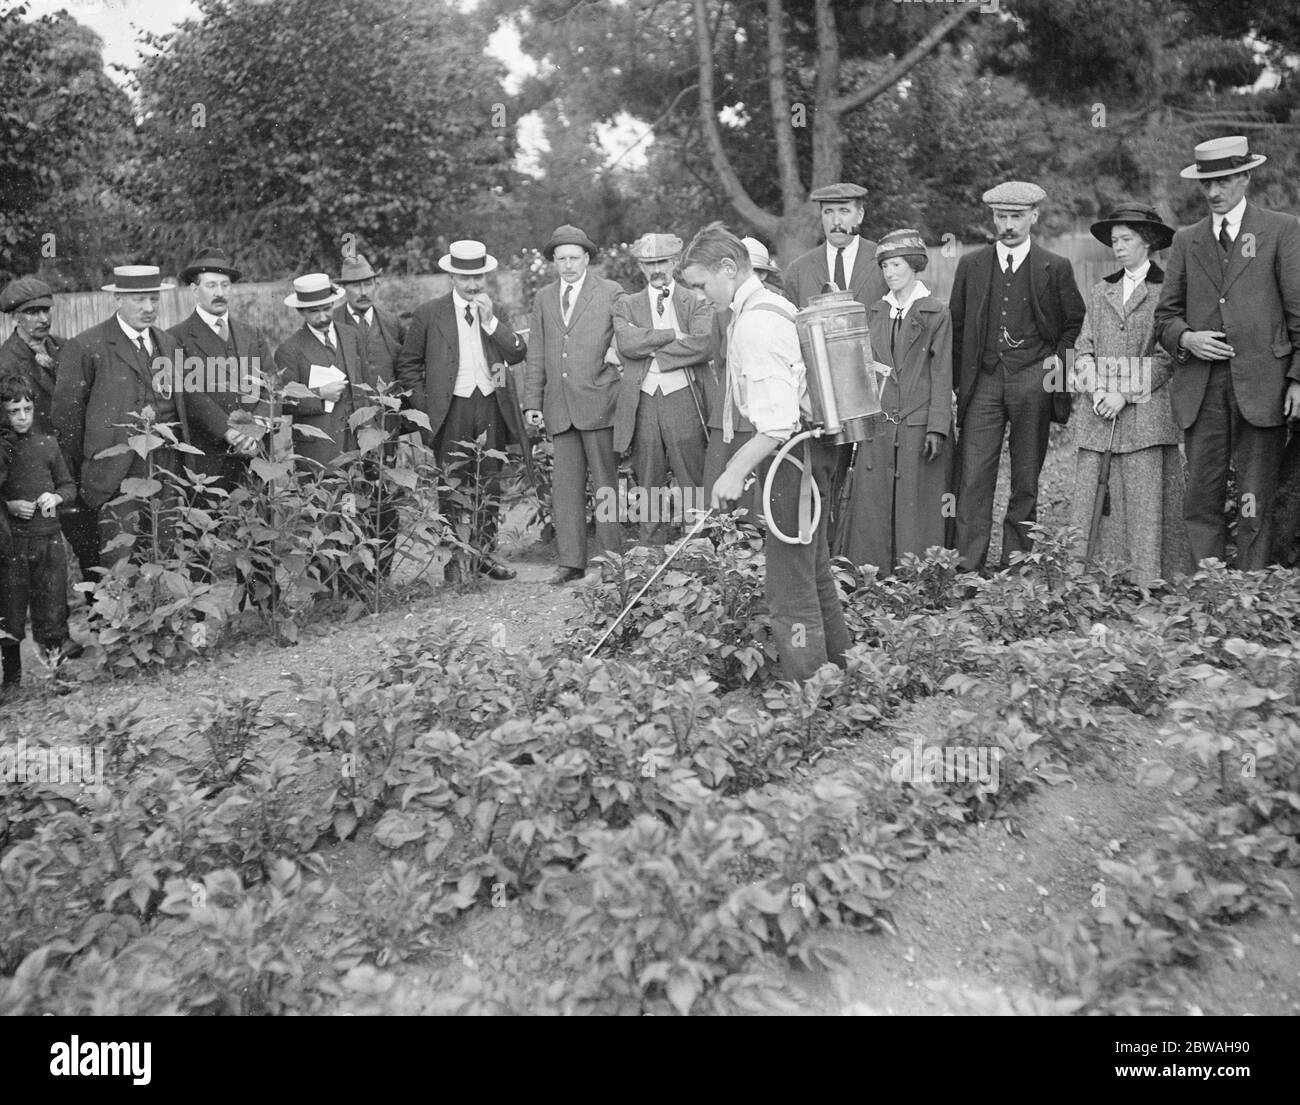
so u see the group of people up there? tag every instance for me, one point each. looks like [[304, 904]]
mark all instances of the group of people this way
[[698, 376]]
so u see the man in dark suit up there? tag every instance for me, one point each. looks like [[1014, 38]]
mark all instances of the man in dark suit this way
[[236, 360], [33, 352], [1229, 314], [105, 373], [382, 332], [571, 389], [663, 337], [848, 261], [1015, 308], [452, 363]]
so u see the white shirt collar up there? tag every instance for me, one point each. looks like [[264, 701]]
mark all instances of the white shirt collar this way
[[368, 315], [210, 318], [1232, 218], [1139, 274], [577, 288], [919, 291], [460, 302], [1016, 253], [132, 333], [319, 335], [748, 287], [850, 255]]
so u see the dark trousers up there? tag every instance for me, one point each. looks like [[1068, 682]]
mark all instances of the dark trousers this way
[[1221, 435], [1001, 398], [467, 418], [577, 454], [668, 436], [804, 604], [81, 528], [35, 578]]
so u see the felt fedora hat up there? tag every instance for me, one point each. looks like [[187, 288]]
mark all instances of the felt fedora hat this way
[[1134, 215], [467, 258], [130, 279], [314, 290], [568, 235], [1222, 157], [210, 259], [356, 269]]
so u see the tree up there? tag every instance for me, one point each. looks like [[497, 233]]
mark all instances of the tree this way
[[280, 129]]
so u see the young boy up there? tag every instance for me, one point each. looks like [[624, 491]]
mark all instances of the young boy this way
[[35, 574]]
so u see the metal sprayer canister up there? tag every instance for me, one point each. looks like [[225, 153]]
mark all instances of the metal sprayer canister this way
[[842, 384]]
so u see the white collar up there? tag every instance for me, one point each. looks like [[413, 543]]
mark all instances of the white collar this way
[[366, 316], [850, 252], [132, 333], [576, 286], [210, 318], [748, 287], [1139, 274], [319, 334], [919, 291], [1232, 218], [1016, 253]]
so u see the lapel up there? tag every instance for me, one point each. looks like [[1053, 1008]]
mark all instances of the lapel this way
[[444, 318], [984, 282], [201, 336], [1238, 260], [685, 304], [821, 270], [861, 271], [584, 297], [1206, 250], [128, 352]]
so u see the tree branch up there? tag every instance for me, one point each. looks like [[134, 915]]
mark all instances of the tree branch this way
[[787, 161]]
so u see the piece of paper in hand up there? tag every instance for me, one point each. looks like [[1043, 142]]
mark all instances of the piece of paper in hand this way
[[321, 375]]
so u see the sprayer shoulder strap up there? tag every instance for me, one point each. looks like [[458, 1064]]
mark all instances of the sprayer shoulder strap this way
[[775, 308]]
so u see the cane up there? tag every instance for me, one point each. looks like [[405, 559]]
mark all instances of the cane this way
[[1101, 504], [658, 572]]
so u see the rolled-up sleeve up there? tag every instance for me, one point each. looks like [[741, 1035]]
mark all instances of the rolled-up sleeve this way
[[764, 352]]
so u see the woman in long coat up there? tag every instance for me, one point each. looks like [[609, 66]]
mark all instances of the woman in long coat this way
[[1123, 405], [900, 474]]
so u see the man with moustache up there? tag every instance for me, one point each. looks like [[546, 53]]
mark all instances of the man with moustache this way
[[663, 338], [33, 352], [447, 363], [1015, 307], [105, 373], [382, 332], [237, 360], [1229, 315]]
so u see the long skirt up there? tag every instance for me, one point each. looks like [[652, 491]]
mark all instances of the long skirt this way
[[1144, 530]]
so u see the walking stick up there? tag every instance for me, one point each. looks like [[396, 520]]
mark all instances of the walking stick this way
[[690, 383], [1101, 504]]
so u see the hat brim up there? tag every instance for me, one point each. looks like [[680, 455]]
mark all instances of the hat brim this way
[[161, 286], [1193, 173], [656, 260], [292, 300], [490, 264], [27, 304], [373, 275], [191, 274], [548, 250], [1101, 230]]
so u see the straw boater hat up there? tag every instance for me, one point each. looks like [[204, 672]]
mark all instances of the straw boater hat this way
[[132, 279], [1222, 157], [1135, 215], [656, 247], [467, 258], [759, 258], [313, 290], [210, 259], [27, 292], [568, 235], [356, 270]]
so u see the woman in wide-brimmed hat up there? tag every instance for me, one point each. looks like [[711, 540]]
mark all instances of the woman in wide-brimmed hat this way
[[1122, 406]]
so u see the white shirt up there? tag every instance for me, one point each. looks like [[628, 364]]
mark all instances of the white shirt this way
[[211, 320], [850, 256], [1232, 218], [919, 291], [573, 297], [656, 381], [1016, 254], [1132, 279], [473, 372], [135, 335], [765, 370], [319, 335], [367, 316]]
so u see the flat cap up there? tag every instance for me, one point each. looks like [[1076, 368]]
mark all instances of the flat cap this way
[[26, 291], [837, 193], [656, 247], [1016, 195]]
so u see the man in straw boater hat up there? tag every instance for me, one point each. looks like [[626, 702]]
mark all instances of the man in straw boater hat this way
[[571, 391], [237, 359], [122, 365], [381, 331], [1229, 315], [1015, 308], [447, 363], [662, 336]]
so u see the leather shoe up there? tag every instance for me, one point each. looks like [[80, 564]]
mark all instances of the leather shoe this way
[[566, 575], [493, 570]]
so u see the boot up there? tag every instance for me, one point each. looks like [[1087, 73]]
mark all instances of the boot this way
[[11, 658]]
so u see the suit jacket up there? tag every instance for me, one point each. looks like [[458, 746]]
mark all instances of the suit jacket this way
[[804, 276], [1258, 301], [217, 406], [17, 359], [568, 379], [920, 387], [1114, 328], [102, 378], [383, 343], [430, 358], [296, 355], [1053, 296], [638, 341]]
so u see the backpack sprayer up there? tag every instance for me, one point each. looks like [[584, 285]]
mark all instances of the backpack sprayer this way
[[844, 393]]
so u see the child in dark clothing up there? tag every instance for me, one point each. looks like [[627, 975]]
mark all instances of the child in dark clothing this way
[[35, 574]]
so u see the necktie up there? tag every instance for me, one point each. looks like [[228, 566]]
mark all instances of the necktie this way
[[840, 282], [143, 346], [893, 333], [222, 329], [362, 323], [327, 339], [568, 298], [659, 307], [1225, 239], [469, 316], [1006, 263]]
